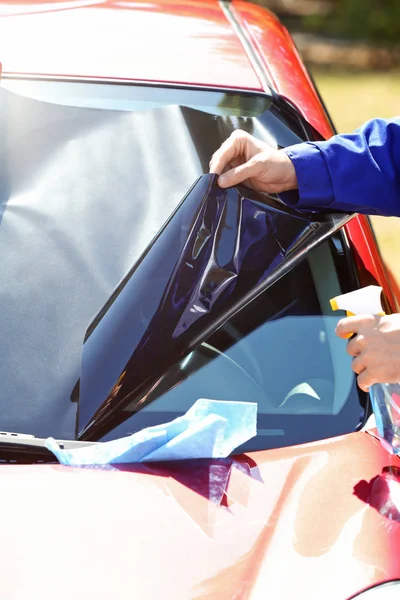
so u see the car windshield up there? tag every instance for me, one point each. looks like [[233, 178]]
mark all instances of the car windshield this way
[[78, 214], [129, 98], [281, 351]]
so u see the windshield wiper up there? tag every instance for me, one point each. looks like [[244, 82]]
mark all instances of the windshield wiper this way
[[25, 448]]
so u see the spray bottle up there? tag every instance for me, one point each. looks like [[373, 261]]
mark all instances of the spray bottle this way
[[385, 397]]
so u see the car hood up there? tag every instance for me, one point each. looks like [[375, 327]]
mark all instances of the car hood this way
[[152, 533]]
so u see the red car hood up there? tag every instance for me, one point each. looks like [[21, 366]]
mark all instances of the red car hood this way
[[300, 525]]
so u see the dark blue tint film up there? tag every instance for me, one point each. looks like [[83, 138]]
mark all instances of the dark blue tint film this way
[[83, 192], [280, 351], [219, 250]]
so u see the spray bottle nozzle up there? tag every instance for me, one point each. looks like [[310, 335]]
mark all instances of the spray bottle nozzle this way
[[363, 301]]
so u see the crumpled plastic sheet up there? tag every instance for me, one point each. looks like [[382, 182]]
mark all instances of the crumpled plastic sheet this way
[[201, 487], [218, 250], [209, 429]]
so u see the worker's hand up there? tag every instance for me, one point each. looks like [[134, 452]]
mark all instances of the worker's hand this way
[[244, 159], [375, 346]]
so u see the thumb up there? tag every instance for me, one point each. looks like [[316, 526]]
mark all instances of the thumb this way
[[239, 174]]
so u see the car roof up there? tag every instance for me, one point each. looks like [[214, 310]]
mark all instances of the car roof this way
[[225, 44], [178, 41]]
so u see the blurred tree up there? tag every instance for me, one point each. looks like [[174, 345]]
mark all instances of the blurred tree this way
[[370, 20], [376, 21]]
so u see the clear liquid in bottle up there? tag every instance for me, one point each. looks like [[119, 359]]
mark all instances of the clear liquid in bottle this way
[[385, 398]]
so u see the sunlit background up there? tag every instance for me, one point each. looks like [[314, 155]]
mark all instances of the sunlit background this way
[[352, 48]]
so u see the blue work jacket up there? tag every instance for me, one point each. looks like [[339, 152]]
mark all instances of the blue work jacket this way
[[359, 172]]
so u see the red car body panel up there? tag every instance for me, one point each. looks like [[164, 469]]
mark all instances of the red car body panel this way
[[300, 526], [312, 520], [282, 62], [179, 42]]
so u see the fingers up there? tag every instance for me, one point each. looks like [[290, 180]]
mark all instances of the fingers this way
[[375, 346], [239, 174], [365, 380], [355, 345], [351, 325], [346, 327], [358, 365], [232, 164], [229, 151]]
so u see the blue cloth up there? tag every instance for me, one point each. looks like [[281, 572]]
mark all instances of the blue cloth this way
[[209, 429], [359, 172]]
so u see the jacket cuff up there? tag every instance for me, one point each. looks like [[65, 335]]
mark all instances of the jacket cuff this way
[[315, 188]]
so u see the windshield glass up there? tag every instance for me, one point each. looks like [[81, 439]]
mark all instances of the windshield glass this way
[[281, 351], [84, 190], [136, 97]]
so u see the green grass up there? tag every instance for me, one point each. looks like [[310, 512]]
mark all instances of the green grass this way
[[352, 99]]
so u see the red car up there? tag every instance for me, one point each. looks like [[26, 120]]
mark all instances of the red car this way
[[110, 110]]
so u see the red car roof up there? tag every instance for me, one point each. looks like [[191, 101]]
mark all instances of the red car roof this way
[[172, 41], [203, 42]]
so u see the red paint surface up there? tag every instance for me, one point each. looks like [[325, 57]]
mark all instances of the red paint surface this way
[[282, 62], [187, 41], [311, 521], [304, 511]]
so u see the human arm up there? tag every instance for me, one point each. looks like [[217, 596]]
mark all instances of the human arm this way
[[358, 172]]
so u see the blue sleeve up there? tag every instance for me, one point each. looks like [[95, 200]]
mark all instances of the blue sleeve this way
[[359, 172]]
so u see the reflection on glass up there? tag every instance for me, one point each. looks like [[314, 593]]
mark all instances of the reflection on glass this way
[[282, 352], [216, 253], [135, 97], [82, 221]]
